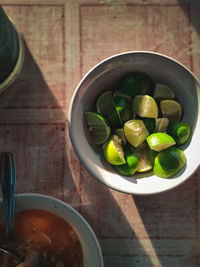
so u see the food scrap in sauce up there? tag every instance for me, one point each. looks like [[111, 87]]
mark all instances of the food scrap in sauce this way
[[45, 235]]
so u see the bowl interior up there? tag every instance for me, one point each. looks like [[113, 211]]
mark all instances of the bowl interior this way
[[106, 76], [90, 246]]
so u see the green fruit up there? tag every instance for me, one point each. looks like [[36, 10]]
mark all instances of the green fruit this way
[[144, 156], [145, 106], [168, 162], [162, 91], [150, 124], [180, 131], [123, 108], [136, 83], [97, 126], [118, 93], [105, 104], [113, 151], [120, 133], [161, 125], [171, 109], [153, 155], [135, 132], [129, 168], [160, 141]]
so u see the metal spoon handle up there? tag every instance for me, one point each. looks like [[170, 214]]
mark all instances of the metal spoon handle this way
[[8, 179]]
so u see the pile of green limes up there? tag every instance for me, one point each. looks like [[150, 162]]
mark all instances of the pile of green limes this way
[[139, 127]]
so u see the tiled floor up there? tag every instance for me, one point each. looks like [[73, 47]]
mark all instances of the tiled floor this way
[[64, 39]]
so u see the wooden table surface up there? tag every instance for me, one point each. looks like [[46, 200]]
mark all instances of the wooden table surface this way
[[64, 39]]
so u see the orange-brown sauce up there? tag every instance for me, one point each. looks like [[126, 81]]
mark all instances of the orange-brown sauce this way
[[49, 233]]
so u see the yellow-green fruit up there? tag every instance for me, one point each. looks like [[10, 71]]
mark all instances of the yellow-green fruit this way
[[145, 106], [135, 132], [169, 162], [113, 151], [130, 167], [160, 141]]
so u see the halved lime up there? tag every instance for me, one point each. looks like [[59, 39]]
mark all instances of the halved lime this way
[[180, 131], [129, 168], [105, 104], [145, 106], [120, 133], [97, 126], [144, 156], [171, 109], [123, 108], [168, 162], [135, 132], [113, 151], [160, 141], [136, 83], [161, 125], [162, 91]]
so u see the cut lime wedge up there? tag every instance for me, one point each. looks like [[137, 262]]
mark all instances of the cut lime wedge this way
[[160, 141], [145, 106], [97, 126], [161, 125], [162, 91], [105, 104], [168, 162], [129, 168], [135, 132], [144, 156], [113, 151], [171, 109], [120, 133]]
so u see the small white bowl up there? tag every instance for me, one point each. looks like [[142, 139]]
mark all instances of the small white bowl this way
[[105, 76], [91, 250]]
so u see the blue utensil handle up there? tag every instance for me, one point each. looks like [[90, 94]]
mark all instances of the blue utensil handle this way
[[8, 180]]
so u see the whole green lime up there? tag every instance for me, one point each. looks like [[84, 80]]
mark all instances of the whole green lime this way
[[136, 83]]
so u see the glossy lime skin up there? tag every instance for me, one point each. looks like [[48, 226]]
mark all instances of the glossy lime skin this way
[[130, 167], [136, 84], [180, 131], [150, 124], [168, 162]]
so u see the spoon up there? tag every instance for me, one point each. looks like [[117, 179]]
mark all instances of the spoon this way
[[7, 180]]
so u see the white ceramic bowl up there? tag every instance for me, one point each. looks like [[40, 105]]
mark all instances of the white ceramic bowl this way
[[105, 76], [91, 249]]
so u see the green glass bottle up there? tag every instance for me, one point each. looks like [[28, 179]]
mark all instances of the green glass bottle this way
[[9, 46]]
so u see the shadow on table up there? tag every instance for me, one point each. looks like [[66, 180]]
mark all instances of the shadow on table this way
[[33, 127], [191, 10], [119, 243], [171, 223]]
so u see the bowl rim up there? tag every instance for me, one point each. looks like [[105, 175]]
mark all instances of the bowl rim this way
[[70, 111], [63, 204]]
